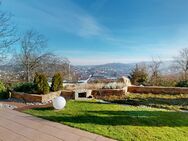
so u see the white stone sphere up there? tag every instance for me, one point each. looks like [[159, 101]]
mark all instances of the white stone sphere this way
[[59, 102]]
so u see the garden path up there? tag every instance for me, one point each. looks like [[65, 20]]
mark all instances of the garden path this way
[[17, 126]]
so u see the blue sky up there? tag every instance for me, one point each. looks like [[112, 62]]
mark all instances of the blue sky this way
[[105, 31]]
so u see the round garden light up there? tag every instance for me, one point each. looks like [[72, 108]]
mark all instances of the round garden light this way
[[59, 102]]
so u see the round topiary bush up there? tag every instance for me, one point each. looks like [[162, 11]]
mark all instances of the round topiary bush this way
[[41, 84], [57, 83]]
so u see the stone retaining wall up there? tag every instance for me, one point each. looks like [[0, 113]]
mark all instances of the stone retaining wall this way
[[157, 90], [68, 94], [35, 97], [101, 93]]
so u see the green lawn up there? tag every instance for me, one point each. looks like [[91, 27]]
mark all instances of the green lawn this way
[[120, 122]]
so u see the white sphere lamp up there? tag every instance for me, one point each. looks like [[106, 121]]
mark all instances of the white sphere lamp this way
[[59, 102]]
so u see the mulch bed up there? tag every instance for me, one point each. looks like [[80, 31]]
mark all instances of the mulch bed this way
[[23, 106], [17, 104]]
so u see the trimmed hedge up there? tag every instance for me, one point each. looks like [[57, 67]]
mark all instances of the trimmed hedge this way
[[41, 84], [57, 83]]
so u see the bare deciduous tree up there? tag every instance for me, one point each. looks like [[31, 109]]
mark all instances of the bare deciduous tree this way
[[7, 33], [155, 71], [181, 63], [53, 64], [34, 57], [33, 47]]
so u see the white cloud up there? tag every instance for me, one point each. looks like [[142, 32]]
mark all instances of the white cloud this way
[[89, 27], [67, 16]]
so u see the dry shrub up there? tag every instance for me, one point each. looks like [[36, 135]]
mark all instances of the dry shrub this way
[[93, 86]]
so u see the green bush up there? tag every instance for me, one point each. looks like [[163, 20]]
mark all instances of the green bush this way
[[182, 83], [41, 84], [139, 75], [24, 87], [3, 91], [165, 82], [57, 83]]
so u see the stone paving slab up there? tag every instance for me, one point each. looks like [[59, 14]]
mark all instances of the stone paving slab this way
[[17, 126]]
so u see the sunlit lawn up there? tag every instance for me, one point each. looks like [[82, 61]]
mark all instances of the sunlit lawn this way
[[120, 122]]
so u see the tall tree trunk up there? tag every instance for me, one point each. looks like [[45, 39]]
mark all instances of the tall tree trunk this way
[[28, 72]]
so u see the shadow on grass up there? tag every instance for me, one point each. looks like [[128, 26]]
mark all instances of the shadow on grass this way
[[113, 118], [43, 109]]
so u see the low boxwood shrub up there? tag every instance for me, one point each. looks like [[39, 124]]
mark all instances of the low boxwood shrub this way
[[3, 91], [41, 83], [25, 87], [182, 83], [57, 83]]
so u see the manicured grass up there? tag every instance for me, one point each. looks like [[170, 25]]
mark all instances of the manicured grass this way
[[172, 102], [120, 122]]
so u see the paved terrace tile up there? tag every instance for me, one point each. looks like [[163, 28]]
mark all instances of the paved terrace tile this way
[[17, 126]]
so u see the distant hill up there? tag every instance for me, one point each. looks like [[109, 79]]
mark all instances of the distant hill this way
[[108, 70], [117, 69]]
